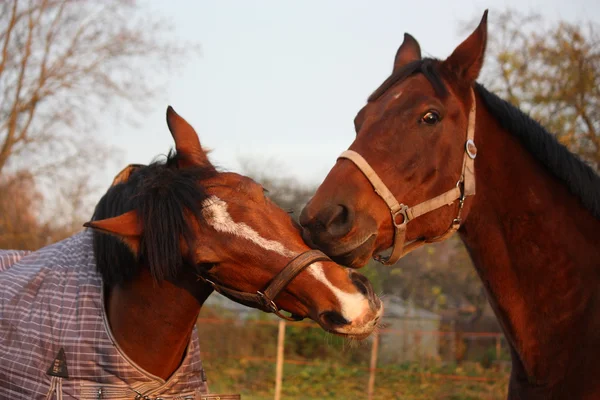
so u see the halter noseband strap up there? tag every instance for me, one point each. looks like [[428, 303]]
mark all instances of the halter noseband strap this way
[[265, 300], [402, 214]]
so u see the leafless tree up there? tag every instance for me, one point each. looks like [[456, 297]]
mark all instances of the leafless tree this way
[[66, 65], [284, 189]]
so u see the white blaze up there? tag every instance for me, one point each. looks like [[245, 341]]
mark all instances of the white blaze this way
[[216, 214]]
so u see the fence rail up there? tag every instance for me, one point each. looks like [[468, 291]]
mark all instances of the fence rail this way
[[277, 343], [305, 324]]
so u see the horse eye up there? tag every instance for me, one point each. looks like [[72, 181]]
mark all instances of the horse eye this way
[[431, 118], [207, 266]]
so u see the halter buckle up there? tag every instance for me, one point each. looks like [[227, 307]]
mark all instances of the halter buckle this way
[[206, 280], [403, 211], [272, 307], [461, 203], [267, 302]]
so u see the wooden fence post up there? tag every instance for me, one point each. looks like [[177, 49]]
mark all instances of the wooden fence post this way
[[373, 366], [498, 347], [453, 341], [279, 368]]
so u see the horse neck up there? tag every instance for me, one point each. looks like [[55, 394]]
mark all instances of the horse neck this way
[[152, 323], [536, 250]]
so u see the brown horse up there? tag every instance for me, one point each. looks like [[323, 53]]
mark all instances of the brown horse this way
[[532, 228], [234, 236], [178, 230]]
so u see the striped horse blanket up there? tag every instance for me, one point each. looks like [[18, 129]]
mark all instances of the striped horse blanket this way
[[55, 340]]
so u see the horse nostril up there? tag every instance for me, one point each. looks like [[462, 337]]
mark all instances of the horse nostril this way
[[334, 318], [339, 222], [361, 283], [361, 287], [323, 225], [306, 216]]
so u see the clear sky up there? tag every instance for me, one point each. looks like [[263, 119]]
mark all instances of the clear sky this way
[[281, 81]]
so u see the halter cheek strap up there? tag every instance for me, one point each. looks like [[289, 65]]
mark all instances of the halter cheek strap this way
[[402, 214], [265, 300]]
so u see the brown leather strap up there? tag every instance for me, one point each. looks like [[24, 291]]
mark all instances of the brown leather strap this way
[[294, 267], [380, 188], [402, 214], [398, 246], [470, 152], [265, 300], [407, 248], [443, 199]]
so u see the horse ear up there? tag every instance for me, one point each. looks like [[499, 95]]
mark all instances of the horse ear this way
[[186, 141], [126, 227], [125, 173], [408, 51], [467, 59]]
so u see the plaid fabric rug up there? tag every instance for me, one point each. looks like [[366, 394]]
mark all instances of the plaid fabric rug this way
[[51, 300]]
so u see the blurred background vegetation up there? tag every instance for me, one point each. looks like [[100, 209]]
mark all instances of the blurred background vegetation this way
[[61, 61]]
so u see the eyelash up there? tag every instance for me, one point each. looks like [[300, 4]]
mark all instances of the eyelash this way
[[207, 266], [431, 113]]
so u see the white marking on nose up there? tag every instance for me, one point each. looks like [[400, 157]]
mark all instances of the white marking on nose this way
[[353, 304], [216, 214]]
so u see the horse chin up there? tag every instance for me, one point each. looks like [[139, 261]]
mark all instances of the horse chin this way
[[356, 337], [358, 256], [357, 333]]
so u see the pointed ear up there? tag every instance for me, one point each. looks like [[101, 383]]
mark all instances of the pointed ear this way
[[408, 51], [186, 141], [126, 227], [467, 59], [125, 173]]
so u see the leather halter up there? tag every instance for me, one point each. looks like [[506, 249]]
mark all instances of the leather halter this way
[[402, 214], [265, 300]]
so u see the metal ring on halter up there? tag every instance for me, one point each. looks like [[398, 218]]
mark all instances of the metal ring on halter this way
[[402, 211], [264, 300], [206, 280], [271, 306], [471, 149], [465, 186], [268, 303], [211, 283]]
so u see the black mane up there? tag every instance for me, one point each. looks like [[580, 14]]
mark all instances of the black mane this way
[[426, 66], [579, 177], [164, 198]]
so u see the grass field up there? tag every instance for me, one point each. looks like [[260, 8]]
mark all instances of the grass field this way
[[255, 381]]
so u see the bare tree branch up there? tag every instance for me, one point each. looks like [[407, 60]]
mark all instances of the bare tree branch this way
[[9, 29], [60, 62]]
